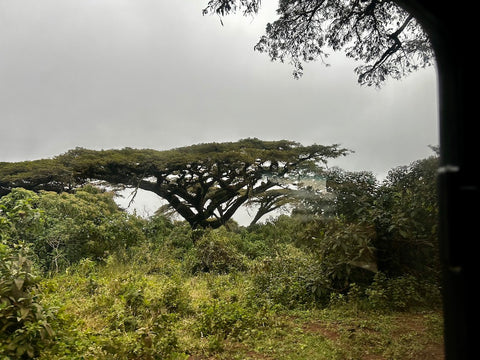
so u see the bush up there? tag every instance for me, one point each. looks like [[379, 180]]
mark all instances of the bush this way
[[158, 227], [291, 279], [175, 298], [24, 323], [222, 318], [216, 252], [87, 224], [20, 219], [253, 245], [344, 249], [402, 293], [180, 239], [119, 312], [282, 230]]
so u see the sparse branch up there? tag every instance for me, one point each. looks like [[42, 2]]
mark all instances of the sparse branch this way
[[306, 29]]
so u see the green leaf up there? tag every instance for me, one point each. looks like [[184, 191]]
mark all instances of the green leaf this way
[[24, 312], [19, 283]]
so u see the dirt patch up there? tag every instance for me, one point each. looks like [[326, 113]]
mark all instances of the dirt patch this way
[[433, 352], [405, 325], [416, 324], [326, 330], [233, 348]]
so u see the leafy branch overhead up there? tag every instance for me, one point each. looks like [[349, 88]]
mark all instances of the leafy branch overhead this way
[[205, 183], [387, 40]]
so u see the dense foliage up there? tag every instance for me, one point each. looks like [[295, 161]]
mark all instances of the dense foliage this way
[[100, 283], [63, 228], [24, 326], [204, 183]]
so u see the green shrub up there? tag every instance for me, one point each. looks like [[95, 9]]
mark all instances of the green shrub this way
[[86, 224], [402, 293], [277, 232], [253, 245], [291, 279], [344, 249], [158, 227], [175, 297], [177, 237], [216, 252], [20, 219], [119, 312], [221, 318], [24, 323], [157, 340]]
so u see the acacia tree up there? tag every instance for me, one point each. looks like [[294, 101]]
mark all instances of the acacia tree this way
[[294, 194], [386, 39], [205, 183], [269, 201], [44, 174]]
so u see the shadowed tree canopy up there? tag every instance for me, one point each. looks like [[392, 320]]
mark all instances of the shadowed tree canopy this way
[[205, 183], [44, 174], [386, 39]]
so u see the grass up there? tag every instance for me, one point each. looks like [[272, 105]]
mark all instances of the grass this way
[[123, 312], [337, 335]]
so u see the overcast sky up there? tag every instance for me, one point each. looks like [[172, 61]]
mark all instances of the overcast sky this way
[[157, 74]]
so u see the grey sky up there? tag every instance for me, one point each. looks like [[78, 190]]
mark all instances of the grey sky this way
[[157, 74]]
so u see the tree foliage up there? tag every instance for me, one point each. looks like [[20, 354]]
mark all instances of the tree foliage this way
[[205, 183], [24, 323], [389, 226], [386, 39], [20, 219], [406, 216], [85, 224], [64, 228], [44, 174], [353, 193]]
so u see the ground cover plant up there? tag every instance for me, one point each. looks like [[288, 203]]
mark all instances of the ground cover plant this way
[[355, 278]]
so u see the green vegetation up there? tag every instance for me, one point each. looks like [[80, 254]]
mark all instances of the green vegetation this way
[[351, 274], [204, 183]]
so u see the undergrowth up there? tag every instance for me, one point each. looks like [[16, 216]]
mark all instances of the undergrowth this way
[[122, 310]]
